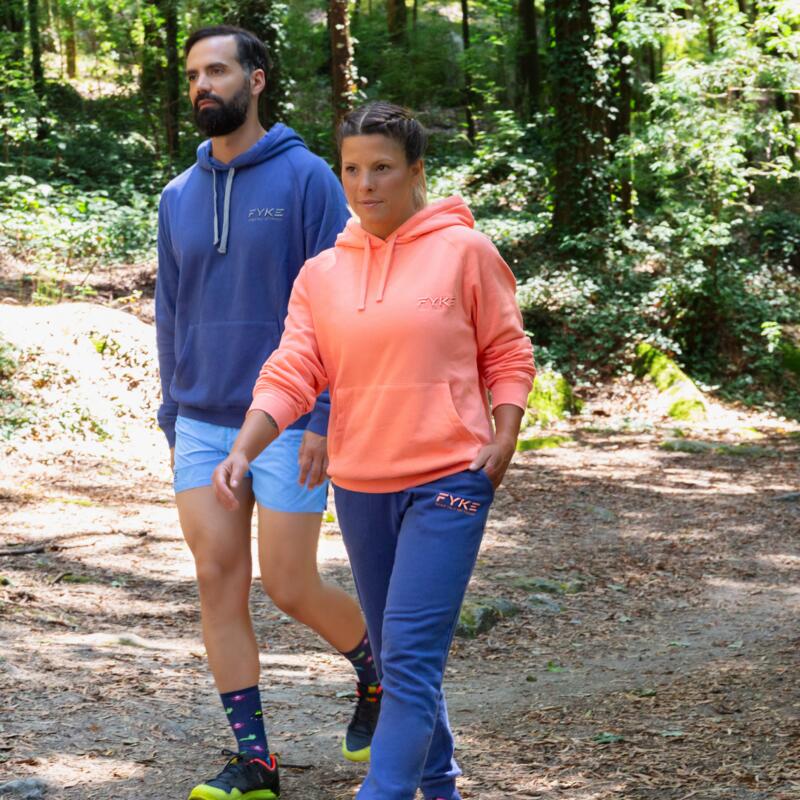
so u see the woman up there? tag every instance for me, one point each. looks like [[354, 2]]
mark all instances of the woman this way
[[409, 320]]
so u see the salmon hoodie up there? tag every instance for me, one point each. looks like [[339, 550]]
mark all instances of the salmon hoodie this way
[[410, 334]]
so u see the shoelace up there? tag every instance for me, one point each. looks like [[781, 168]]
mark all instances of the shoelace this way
[[284, 765], [365, 713]]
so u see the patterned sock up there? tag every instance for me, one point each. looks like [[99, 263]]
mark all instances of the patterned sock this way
[[363, 663], [246, 720]]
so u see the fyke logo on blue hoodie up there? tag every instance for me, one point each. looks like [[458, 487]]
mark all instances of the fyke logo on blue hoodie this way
[[265, 214]]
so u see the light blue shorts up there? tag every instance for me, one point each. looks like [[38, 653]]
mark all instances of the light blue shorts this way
[[200, 446]]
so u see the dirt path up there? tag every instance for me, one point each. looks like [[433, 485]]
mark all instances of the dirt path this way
[[655, 653]]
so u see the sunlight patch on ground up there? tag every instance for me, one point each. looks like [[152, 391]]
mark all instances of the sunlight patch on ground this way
[[66, 770], [785, 562]]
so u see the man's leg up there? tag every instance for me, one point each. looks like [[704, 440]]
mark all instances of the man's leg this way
[[220, 543], [289, 520], [287, 546]]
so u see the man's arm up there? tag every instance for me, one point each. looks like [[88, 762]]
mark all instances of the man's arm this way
[[166, 298]]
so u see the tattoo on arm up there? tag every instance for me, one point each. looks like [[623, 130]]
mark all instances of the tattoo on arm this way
[[271, 420]]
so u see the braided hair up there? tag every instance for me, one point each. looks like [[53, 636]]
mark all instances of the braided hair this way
[[398, 124]]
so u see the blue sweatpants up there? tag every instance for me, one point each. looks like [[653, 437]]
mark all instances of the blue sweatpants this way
[[412, 554]]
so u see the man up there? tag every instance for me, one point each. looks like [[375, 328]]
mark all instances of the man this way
[[234, 230]]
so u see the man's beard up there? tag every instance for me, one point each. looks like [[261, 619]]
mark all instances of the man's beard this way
[[223, 118]]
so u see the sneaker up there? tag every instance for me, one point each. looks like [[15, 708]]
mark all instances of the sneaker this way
[[246, 776], [357, 740]]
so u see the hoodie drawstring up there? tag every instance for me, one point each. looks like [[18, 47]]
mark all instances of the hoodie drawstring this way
[[362, 289], [385, 268], [226, 212], [387, 261]]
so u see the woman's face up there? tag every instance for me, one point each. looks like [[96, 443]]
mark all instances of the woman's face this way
[[379, 182]]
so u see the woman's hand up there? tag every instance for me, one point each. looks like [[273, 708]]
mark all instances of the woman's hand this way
[[494, 459], [227, 476]]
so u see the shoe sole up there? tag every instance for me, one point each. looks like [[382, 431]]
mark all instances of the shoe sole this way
[[210, 793], [359, 756]]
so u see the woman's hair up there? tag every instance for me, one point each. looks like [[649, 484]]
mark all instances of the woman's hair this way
[[396, 123]]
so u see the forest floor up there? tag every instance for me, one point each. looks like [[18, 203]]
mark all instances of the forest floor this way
[[655, 653]]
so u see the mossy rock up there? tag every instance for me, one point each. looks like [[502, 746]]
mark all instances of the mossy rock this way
[[687, 410], [682, 400], [542, 442], [695, 447], [481, 614], [551, 399]]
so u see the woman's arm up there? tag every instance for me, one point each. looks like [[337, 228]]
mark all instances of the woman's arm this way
[[494, 458], [258, 431]]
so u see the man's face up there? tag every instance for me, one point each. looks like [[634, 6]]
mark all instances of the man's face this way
[[219, 89]]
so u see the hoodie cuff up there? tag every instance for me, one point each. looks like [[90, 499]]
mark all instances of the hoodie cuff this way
[[515, 394], [283, 412]]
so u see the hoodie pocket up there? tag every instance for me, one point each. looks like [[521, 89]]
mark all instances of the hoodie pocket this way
[[397, 431], [220, 362]]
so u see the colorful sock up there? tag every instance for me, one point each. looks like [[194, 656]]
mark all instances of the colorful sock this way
[[246, 719], [363, 663]]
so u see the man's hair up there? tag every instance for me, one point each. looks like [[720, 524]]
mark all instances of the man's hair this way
[[387, 119], [251, 52]]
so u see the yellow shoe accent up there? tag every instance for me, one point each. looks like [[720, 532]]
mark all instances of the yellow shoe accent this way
[[355, 755], [206, 792]]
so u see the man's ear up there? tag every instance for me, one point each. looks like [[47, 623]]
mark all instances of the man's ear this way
[[258, 81]]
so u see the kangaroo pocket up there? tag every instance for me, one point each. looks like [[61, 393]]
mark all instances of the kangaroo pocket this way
[[220, 362], [382, 432]]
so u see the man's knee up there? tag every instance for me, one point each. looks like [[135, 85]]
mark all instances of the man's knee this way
[[286, 590]]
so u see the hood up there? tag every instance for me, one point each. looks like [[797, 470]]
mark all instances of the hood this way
[[277, 140], [450, 212]]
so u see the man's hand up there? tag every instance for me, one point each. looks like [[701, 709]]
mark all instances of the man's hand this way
[[227, 476], [494, 459], [313, 459]]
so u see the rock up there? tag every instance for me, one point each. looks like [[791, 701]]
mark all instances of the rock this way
[[680, 398], [687, 446], [25, 789], [550, 399], [697, 446], [481, 614], [550, 587], [543, 601]]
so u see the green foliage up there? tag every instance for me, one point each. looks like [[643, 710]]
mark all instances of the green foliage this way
[[15, 410], [54, 226]]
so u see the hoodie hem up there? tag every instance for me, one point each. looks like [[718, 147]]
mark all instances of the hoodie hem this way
[[388, 485], [231, 418]]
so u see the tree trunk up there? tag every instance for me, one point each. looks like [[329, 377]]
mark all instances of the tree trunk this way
[[621, 102], [150, 78], [172, 78], [12, 21], [36, 49], [342, 69], [263, 19], [468, 93], [396, 20], [528, 66], [70, 44], [580, 191]]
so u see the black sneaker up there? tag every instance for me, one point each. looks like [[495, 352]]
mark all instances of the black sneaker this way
[[357, 740], [246, 776]]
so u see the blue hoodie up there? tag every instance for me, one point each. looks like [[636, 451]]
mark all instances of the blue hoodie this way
[[231, 240]]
